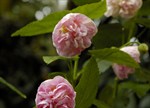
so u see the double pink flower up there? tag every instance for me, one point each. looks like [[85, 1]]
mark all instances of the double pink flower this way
[[123, 8], [55, 93], [73, 34]]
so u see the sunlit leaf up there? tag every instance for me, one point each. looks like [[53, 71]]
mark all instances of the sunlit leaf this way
[[40, 27], [88, 85], [93, 10], [47, 24], [114, 55], [50, 59]]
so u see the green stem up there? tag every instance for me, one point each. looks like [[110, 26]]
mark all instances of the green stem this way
[[70, 74], [131, 30], [130, 43], [12, 88], [75, 67], [115, 88]]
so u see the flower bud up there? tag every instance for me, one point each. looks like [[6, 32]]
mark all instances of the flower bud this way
[[73, 34], [55, 93], [122, 71], [143, 48], [123, 8]]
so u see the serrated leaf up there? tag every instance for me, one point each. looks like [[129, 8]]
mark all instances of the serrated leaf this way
[[93, 10], [12, 87], [88, 85], [114, 55], [50, 59], [47, 24], [140, 89]]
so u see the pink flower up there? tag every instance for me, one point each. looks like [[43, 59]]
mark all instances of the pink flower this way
[[122, 71], [73, 34], [112, 8], [55, 93], [128, 8], [123, 8]]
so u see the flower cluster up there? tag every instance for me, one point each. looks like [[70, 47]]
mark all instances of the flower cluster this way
[[55, 93], [73, 34], [122, 71], [123, 8]]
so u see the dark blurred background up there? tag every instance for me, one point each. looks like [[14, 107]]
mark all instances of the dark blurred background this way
[[21, 61]]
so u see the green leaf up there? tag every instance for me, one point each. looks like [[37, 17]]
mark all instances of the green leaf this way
[[93, 10], [50, 59], [142, 75], [108, 35], [103, 65], [140, 89], [82, 2], [115, 55], [100, 104], [143, 21], [106, 93], [88, 85], [47, 24], [145, 8], [12, 88]]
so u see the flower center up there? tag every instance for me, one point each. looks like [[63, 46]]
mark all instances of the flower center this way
[[64, 29]]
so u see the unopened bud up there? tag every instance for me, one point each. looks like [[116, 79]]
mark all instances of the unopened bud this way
[[143, 48]]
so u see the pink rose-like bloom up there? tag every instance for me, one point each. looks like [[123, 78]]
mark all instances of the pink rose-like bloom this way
[[123, 8], [112, 8], [129, 8], [73, 34], [55, 93], [122, 71]]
